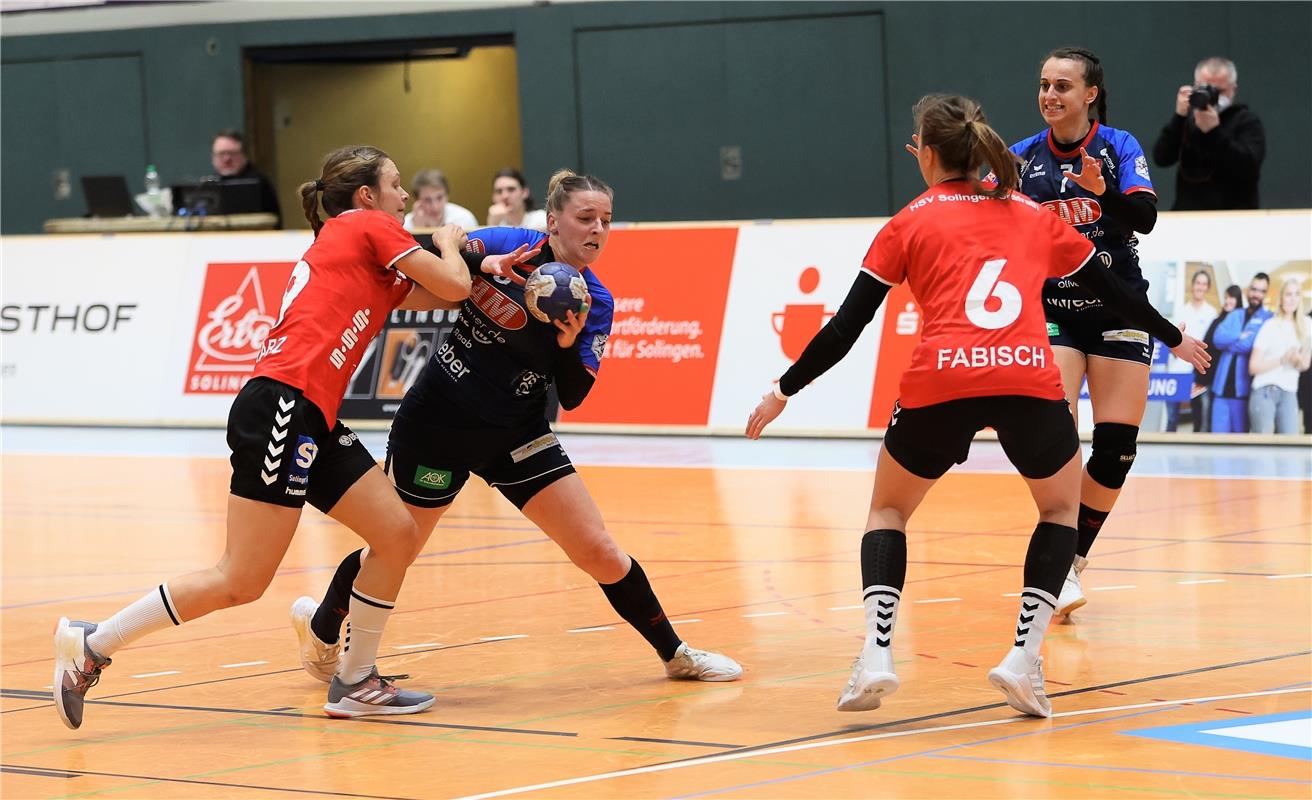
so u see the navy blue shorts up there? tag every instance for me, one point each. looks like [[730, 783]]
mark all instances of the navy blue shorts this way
[[1102, 338]]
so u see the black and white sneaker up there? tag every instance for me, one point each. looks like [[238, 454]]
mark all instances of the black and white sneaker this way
[[376, 694], [77, 669]]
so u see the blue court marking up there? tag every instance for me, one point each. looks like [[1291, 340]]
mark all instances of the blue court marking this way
[[1198, 733]]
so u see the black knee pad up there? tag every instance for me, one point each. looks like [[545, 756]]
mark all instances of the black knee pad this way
[[1113, 453]]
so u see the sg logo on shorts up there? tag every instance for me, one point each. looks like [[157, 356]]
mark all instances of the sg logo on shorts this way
[[298, 477], [430, 478]]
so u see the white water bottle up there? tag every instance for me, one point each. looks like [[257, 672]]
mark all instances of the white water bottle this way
[[154, 200]]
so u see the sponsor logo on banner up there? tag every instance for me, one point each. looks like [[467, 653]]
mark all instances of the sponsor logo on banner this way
[[798, 323], [902, 325], [405, 351], [238, 305], [664, 342]]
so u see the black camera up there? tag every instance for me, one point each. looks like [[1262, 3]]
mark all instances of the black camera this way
[[1204, 95]]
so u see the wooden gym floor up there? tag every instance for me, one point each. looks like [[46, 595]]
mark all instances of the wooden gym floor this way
[[1187, 675]]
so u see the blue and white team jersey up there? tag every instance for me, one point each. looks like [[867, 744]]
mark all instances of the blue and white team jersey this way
[[1043, 177], [498, 360]]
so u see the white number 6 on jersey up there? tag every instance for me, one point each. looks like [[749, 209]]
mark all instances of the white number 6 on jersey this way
[[987, 285]]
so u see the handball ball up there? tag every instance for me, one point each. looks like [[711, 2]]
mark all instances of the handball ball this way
[[552, 290]]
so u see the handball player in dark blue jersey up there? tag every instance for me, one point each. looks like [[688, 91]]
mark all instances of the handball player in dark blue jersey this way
[[1095, 178], [480, 406]]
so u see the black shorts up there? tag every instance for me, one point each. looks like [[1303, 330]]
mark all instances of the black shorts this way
[[283, 452], [1103, 338], [1038, 436], [429, 462]]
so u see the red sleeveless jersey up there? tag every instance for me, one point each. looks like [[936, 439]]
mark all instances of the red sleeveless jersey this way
[[976, 266], [336, 301]]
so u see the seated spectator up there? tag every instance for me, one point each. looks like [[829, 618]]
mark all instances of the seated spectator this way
[[1234, 339], [1281, 350], [1218, 143], [232, 163], [1197, 316], [512, 203], [432, 209], [1201, 405]]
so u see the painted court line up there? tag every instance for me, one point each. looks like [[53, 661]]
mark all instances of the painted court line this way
[[697, 762], [683, 621], [590, 630], [158, 674], [242, 664], [1195, 583], [766, 614], [1012, 594], [850, 608], [503, 638], [1113, 588], [1281, 577], [941, 600]]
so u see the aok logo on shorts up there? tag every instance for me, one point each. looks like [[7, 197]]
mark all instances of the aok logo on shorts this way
[[430, 478], [497, 306]]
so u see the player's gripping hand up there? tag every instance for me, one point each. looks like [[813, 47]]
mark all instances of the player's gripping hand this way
[[1090, 174], [503, 266], [1192, 351], [771, 406], [568, 331]]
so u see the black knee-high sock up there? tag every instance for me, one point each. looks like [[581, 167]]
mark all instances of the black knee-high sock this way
[[327, 622], [1051, 551], [635, 602], [1090, 522], [883, 572]]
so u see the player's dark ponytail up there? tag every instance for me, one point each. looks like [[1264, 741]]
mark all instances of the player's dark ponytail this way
[[564, 182], [344, 170], [957, 129], [1092, 74]]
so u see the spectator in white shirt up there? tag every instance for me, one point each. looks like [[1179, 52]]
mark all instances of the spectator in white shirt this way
[[432, 208], [1197, 316], [512, 203], [1281, 350]]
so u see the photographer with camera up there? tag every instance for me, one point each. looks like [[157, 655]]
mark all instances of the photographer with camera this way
[[1219, 143]]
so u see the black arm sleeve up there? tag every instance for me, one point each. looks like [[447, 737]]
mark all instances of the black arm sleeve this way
[[838, 335], [1131, 306], [1138, 211], [573, 381]]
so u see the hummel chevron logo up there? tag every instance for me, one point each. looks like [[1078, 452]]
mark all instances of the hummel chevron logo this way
[[268, 479], [883, 642], [1022, 631], [271, 466], [884, 629], [279, 435], [882, 604], [282, 420], [287, 406], [884, 614], [1026, 620], [276, 451], [1028, 607], [1018, 643]]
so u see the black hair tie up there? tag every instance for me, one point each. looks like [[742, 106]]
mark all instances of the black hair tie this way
[[318, 186]]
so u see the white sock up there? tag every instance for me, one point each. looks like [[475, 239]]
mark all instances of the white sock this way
[[153, 612], [881, 604], [363, 635], [1036, 607]]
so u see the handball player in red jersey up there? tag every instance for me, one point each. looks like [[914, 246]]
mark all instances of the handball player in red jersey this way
[[289, 447], [976, 259]]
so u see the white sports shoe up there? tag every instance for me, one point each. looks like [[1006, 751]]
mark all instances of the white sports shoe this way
[[318, 659], [699, 665], [1022, 682], [1072, 596], [872, 680]]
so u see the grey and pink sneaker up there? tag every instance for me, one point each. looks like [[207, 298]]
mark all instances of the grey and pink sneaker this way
[[376, 694], [77, 669]]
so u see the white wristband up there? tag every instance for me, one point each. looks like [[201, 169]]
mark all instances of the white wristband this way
[[783, 398]]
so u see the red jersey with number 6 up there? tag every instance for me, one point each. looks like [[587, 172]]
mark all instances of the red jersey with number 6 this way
[[336, 301], [976, 265]]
